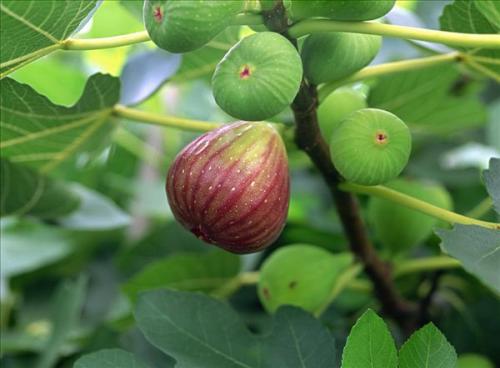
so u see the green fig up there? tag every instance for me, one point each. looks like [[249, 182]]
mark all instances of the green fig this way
[[351, 10], [329, 56], [300, 275], [370, 147], [473, 361], [399, 228], [186, 25], [338, 106], [258, 78]]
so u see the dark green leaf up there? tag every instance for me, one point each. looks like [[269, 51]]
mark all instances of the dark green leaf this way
[[423, 100], [427, 348], [206, 272], [298, 341], [196, 330], [38, 133], [31, 29], [21, 253], [370, 344], [109, 358], [96, 212], [490, 9], [492, 181], [24, 191], [67, 305], [478, 248]]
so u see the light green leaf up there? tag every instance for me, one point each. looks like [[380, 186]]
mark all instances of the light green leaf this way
[[427, 348], [422, 99], [206, 272], [109, 358], [19, 252], [32, 29], [492, 181], [298, 341], [96, 212], [478, 248], [24, 191], [38, 133], [67, 304], [370, 344], [490, 9], [196, 330]]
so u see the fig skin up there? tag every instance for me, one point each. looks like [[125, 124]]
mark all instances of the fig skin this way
[[340, 9], [230, 187], [185, 25]]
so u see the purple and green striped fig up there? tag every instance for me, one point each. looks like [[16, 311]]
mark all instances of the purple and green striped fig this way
[[230, 187]]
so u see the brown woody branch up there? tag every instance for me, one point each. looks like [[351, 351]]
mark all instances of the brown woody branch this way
[[309, 139]]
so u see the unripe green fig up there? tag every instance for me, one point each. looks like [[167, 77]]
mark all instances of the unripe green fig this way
[[370, 147], [258, 78], [399, 228], [230, 187], [351, 10], [336, 107], [329, 56], [186, 25], [301, 275], [473, 361]]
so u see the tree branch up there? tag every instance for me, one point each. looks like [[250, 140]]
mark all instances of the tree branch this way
[[308, 138]]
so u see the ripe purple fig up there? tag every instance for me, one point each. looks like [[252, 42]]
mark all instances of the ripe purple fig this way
[[230, 187]]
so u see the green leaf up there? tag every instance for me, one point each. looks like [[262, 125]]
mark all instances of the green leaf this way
[[24, 191], [490, 9], [32, 29], [196, 330], [473, 361], [298, 340], [422, 99], [478, 248], [36, 132], [20, 253], [109, 358], [427, 348], [469, 17], [370, 344], [96, 212], [67, 305], [206, 272], [492, 181]]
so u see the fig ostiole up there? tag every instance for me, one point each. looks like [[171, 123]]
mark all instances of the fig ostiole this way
[[354, 10], [329, 56], [258, 77], [186, 25], [370, 147], [230, 187]]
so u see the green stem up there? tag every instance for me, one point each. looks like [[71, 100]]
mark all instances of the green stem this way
[[388, 68], [105, 42], [164, 120], [137, 147], [306, 27], [425, 264], [481, 209], [416, 204]]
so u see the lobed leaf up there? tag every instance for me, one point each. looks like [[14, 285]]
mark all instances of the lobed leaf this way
[[38, 133], [32, 29]]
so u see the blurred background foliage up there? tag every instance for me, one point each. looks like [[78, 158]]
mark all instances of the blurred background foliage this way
[[65, 282]]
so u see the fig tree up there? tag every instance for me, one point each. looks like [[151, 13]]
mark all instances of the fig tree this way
[[230, 187]]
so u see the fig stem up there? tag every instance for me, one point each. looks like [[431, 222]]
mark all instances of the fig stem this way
[[105, 42], [417, 204], [164, 120], [306, 27], [481, 209], [389, 68]]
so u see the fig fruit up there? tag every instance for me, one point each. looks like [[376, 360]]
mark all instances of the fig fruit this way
[[230, 187], [340, 9], [329, 56], [301, 275], [412, 227], [336, 107], [258, 78], [370, 147], [182, 26]]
